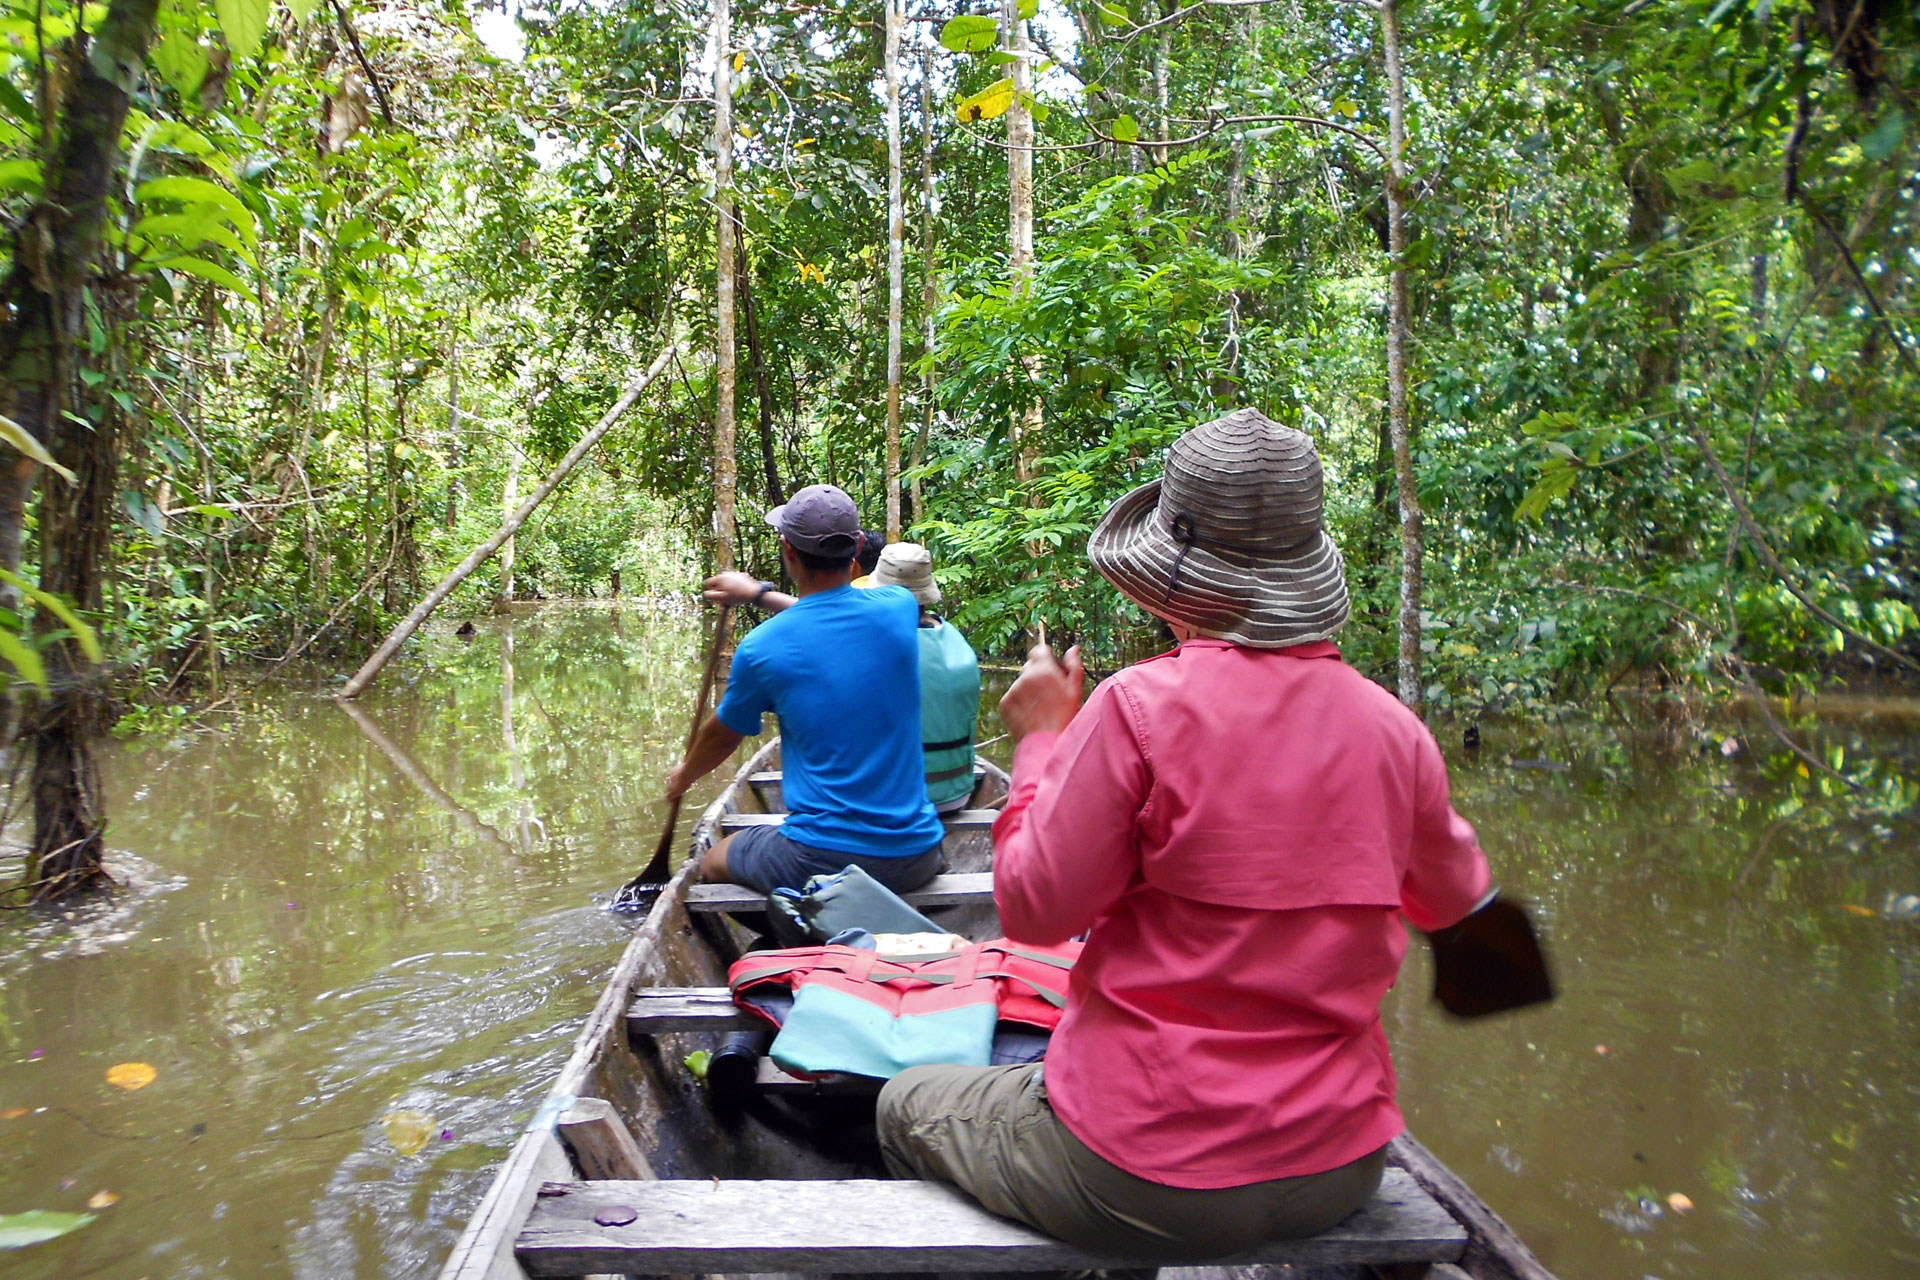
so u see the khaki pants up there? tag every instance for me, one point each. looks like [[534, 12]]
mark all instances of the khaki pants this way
[[991, 1132]]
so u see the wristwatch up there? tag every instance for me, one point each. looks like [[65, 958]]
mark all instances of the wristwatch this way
[[761, 594]]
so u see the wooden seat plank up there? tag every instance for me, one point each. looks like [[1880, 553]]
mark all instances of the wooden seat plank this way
[[655, 1010], [882, 1225], [960, 820], [956, 889]]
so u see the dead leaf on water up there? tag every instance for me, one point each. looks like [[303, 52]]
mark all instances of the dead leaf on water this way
[[13, 1113], [103, 1199], [131, 1075], [1680, 1202], [407, 1131], [1854, 908]]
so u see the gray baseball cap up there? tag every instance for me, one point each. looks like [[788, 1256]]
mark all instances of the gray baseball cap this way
[[820, 520]]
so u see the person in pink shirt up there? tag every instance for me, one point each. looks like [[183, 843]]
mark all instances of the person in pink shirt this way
[[1239, 826]]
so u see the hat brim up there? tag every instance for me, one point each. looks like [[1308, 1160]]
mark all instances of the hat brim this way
[[1260, 600], [928, 594]]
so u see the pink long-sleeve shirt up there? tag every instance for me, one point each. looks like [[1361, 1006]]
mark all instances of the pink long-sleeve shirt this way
[[1242, 830]]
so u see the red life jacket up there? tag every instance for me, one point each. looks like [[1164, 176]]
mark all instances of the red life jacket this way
[[1026, 984]]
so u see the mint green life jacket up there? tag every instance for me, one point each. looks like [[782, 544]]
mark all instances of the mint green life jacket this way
[[949, 708]]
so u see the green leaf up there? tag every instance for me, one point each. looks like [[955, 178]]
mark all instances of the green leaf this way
[[181, 61], [190, 231], [198, 191], [212, 272], [27, 663], [20, 1229], [22, 439], [17, 105], [990, 103], [1126, 128], [970, 33], [21, 174], [300, 9], [244, 22], [1112, 14], [1028, 8], [1880, 144], [88, 639]]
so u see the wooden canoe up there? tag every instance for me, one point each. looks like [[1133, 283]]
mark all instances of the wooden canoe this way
[[630, 1168]]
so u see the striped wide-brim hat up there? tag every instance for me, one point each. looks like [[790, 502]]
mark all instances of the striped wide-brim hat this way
[[1229, 540]]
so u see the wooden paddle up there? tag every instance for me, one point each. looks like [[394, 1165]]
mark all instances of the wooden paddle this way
[[638, 893]]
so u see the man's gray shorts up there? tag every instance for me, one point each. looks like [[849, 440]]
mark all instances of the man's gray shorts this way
[[763, 858]]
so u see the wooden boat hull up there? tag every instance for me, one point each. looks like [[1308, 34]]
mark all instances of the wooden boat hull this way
[[627, 1107]]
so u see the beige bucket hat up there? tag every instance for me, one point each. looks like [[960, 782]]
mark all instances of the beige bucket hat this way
[[1229, 540], [909, 565]]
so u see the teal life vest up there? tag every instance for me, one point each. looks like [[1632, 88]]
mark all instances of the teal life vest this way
[[949, 708]]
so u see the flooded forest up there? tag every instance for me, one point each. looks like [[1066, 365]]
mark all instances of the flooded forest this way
[[379, 380]]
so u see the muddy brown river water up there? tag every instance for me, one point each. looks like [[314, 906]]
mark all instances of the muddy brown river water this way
[[354, 950]]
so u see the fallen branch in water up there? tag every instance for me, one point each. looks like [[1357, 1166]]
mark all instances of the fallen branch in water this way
[[411, 623]]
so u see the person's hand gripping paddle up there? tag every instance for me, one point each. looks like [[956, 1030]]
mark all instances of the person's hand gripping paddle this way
[[639, 893]]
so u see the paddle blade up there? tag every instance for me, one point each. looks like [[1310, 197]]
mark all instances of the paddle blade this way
[[1490, 962]]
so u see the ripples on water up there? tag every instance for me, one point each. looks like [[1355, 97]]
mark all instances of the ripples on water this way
[[327, 924]]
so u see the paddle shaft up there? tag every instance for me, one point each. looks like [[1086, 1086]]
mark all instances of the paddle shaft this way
[[657, 867]]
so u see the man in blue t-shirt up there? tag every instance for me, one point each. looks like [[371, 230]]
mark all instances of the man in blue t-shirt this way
[[840, 668]]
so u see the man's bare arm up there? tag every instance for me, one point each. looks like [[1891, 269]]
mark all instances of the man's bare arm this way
[[711, 747], [734, 587]]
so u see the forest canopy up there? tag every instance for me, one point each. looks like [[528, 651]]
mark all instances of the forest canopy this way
[[348, 277]]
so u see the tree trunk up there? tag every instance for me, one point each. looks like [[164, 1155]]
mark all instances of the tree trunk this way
[[1397, 344], [55, 251], [896, 266], [509, 503], [411, 623], [929, 295], [453, 431], [724, 477], [1026, 427], [762, 390], [1162, 98]]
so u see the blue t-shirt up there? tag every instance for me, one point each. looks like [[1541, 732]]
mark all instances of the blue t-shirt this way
[[841, 669]]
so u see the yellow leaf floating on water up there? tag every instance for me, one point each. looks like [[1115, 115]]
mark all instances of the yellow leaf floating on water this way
[[13, 1113], [1680, 1202], [103, 1199], [131, 1075], [408, 1131], [1854, 908]]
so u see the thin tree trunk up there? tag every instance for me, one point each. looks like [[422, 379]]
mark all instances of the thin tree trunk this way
[[453, 430], [1162, 98], [509, 502], [1398, 341], [56, 249], [411, 623], [762, 391], [929, 296], [1026, 427], [896, 266], [724, 477]]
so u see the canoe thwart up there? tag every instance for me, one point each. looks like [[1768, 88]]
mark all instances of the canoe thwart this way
[[890, 1225], [956, 889], [657, 1010], [959, 820]]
